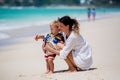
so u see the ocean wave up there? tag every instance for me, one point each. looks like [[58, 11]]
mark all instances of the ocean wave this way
[[4, 36], [27, 17], [21, 24]]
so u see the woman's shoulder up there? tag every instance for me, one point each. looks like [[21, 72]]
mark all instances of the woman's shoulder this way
[[74, 35]]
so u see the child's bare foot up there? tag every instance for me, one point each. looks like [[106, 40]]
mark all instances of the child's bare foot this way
[[50, 72], [47, 72]]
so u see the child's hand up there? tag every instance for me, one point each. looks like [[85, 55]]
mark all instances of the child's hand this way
[[39, 37], [36, 37]]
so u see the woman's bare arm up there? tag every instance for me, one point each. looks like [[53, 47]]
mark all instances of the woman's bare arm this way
[[47, 47], [60, 46]]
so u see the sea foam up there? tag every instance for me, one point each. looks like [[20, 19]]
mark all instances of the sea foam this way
[[3, 36]]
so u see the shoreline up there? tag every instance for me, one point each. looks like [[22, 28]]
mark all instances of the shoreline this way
[[6, 34], [57, 6], [18, 21]]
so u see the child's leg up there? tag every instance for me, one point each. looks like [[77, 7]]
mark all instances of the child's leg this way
[[51, 65], [49, 62], [47, 67]]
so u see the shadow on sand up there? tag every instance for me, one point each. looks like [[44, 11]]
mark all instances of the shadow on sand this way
[[78, 70]]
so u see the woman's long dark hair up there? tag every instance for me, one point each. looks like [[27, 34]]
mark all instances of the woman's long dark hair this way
[[73, 23]]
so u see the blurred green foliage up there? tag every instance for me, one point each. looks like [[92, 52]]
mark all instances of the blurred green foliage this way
[[59, 2]]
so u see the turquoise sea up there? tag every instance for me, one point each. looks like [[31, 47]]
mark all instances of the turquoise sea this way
[[19, 17]]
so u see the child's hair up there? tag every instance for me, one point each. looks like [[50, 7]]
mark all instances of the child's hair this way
[[55, 23], [73, 23]]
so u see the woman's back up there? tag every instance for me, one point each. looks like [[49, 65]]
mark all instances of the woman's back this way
[[81, 50]]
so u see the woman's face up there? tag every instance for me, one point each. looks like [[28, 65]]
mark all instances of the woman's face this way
[[62, 27]]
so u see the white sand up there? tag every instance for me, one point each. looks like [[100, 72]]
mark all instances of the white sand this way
[[22, 58]]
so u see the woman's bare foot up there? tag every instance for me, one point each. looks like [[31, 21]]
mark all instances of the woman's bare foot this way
[[71, 70]]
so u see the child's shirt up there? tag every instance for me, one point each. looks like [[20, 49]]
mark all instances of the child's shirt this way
[[52, 40]]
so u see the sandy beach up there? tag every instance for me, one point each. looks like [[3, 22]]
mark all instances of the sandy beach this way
[[21, 57]]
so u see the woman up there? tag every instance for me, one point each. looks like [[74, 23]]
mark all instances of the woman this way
[[93, 13], [89, 14], [76, 51]]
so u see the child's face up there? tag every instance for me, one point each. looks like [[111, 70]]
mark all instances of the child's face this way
[[54, 29]]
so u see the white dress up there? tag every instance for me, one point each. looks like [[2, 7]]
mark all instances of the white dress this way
[[81, 51]]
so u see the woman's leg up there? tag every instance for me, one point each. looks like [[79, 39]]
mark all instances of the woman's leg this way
[[70, 56], [69, 60]]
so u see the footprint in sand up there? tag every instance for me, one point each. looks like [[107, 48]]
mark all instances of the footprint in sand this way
[[21, 75]]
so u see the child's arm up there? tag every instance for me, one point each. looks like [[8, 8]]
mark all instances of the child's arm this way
[[43, 45], [39, 37]]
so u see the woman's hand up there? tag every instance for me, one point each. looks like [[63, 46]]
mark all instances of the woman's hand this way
[[47, 47]]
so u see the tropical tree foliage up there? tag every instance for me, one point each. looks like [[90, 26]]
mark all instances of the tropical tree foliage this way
[[57, 2]]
